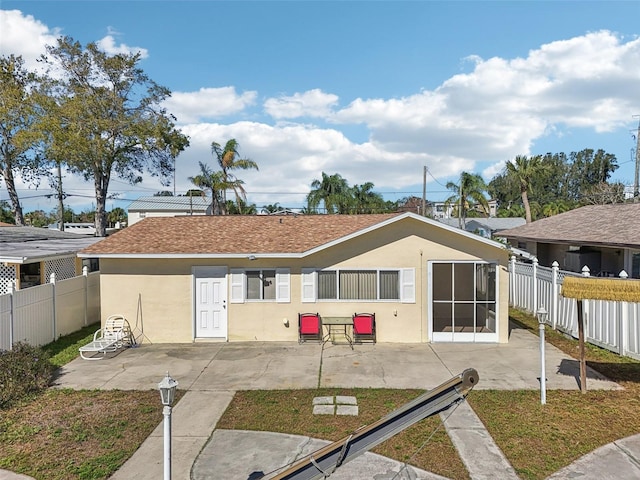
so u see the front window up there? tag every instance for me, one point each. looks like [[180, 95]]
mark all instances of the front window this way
[[359, 285], [261, 284]]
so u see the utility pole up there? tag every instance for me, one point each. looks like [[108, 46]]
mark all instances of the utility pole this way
[[636, 193], [424, 191]]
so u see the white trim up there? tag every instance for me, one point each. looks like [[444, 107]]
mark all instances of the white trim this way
[[283, 285], [308, 278], [237, 286], [408, 285]]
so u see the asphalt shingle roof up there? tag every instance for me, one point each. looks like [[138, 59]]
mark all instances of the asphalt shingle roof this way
[[615, 225], [232, 234]]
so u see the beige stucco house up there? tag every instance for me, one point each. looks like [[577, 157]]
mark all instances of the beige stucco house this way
[[244, 278]]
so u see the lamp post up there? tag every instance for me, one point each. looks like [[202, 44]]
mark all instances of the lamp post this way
[[542, 319], [167, 389]]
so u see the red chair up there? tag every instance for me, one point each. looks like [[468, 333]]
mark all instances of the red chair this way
[[309, 327], [364, 327]]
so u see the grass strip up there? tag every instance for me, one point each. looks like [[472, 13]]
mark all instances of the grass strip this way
[[68, 434], [539, 439], [291, 411]]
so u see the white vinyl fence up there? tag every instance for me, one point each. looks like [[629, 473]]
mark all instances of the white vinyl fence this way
[[611, 325], [39, 315]]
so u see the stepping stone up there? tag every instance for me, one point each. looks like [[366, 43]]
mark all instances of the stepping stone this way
[[324, 410], [347, 410], [338, 405]]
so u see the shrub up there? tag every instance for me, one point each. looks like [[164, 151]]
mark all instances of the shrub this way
[[24, 371]]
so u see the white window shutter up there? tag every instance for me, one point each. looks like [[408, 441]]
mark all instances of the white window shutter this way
[[237, 286], [283, 285], [308, 288], [408, 285]]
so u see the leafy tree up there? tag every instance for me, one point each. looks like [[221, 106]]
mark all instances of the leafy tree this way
[[241, 208], [111, 118], [589, 168], [19, 127], [333, 191], [228, 159], [38, 218], [6, 215], [87, 216], [468, 196], [604, 193], [117, 215]]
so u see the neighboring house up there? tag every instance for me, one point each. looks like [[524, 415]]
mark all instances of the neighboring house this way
[[29, 255], [443, 210], [246, 278], [77, 228], [145, 207], [486, 227], [606, 238]]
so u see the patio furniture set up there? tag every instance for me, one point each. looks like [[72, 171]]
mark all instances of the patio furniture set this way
[[358, 328]]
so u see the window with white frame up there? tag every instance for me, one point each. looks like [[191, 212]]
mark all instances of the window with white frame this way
[[361, 284], [260, 284]]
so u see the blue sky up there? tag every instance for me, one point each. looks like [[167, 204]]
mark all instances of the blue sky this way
[[370, 90]]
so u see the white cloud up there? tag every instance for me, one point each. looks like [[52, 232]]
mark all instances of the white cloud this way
[[108, 45], [26, 36], [502, 106], [208, 103], [312, 103]]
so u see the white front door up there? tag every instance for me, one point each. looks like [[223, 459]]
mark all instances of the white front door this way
[[210, 302]]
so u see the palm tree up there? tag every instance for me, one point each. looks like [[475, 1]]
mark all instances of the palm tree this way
[[469, 194], [333, 191], [210, 180], [523, 169], [271, 208], [365, 200], [228, 159]]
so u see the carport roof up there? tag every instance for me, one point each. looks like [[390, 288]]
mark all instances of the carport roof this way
[[244, 236], [30, 244]]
